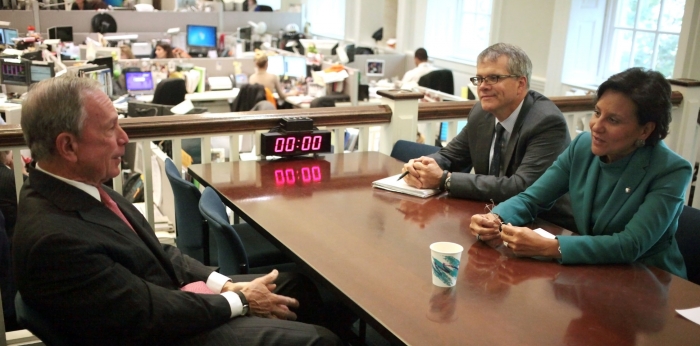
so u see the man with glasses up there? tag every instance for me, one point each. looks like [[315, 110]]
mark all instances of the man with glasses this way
[[513, 135]]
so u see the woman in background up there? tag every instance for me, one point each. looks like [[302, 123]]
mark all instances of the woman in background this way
[[126, 53], [627, 187], [268, 80], [165, 51]]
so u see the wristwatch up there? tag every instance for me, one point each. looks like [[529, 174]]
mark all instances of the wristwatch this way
[[244, 302], [447, 183]]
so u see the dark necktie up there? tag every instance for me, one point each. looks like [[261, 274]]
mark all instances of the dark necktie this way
[[497, 148], [111, 205]]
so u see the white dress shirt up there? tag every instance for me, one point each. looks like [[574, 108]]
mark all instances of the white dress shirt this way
[[508, 125], [410, 79]]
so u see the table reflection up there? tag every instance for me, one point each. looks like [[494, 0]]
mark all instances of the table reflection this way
[[442, 304], [615, 304]]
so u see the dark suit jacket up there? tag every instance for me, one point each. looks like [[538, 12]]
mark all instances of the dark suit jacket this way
[[8, 198], [81, 266], [540, 134]]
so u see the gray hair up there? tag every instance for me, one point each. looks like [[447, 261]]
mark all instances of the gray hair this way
[[518, 61], [53, 106]]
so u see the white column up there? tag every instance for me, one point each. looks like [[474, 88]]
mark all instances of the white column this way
[[404, 118]]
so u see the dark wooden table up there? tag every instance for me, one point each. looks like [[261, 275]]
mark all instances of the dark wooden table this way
[[371, 247]]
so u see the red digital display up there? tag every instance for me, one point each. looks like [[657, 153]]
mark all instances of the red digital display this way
[[290, 176], [286, 144]]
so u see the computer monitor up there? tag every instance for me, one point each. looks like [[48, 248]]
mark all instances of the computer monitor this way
[[295, 66], [444, 128], [104, 61], [9, 35], [63, 33], [14, 72], [245, 33], [375, 68], [201, 36], [141, 49], [39, 72], [275, 65], [101, 74], [139, 82]]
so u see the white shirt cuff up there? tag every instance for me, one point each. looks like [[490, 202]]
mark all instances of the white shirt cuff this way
[[235, 302], [216, 281]]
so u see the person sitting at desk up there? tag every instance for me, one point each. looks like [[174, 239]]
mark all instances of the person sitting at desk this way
[[268, 80], [88, 261], [165, 51], [627, 187], [512, 137], [126, 53], [423, 67]]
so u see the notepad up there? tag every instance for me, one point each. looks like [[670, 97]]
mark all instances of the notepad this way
[[391, 184]]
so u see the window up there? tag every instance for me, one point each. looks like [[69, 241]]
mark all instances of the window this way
[[327, 18], [644, 33], [607, 38], [457, 29]]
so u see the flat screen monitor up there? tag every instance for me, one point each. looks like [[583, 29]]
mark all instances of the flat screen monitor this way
[[14, 72], [63, 33], [39, 72], [139, 82], [275, 65], [101, 74], [9, 35], [295, 66], [375, 68], [245, 33], [201, 36], [104, 61]]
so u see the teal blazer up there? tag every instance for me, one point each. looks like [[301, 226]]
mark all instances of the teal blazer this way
[[640, 217]]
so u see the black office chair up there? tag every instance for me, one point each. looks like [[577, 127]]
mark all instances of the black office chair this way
[[263, 8], [242, 250], [39, 325], [248, 96], [406, 150], [170, 91], [440, 80], [688, 237], [192, 230]]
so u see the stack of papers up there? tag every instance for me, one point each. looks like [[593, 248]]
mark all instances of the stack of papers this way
[[392, 184]]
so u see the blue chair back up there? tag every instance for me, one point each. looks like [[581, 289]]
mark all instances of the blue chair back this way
[[233, 258], [688, 237], [192, 232], [406, 150], [38, 324]]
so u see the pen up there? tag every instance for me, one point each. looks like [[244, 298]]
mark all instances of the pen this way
[[402, 175]]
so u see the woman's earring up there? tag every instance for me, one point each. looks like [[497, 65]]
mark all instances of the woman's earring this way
[[639, 143]]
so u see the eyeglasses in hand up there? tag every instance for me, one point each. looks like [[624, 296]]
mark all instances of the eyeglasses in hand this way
[[491, 79]]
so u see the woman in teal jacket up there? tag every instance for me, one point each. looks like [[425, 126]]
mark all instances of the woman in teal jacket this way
[[627, 187]]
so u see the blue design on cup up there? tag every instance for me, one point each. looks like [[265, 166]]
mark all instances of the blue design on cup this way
[[446, 271]]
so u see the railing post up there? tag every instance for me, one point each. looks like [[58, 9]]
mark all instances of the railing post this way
[[684, 130], [404, 120]]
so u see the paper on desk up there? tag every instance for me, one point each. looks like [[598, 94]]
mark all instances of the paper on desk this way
[[692, 314], [183, 107], [392, 184], [544, 233]]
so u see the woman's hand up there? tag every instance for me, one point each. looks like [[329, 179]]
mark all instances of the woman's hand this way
[[485, 226], [525, 242]]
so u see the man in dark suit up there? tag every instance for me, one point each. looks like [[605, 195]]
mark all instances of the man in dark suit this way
[[8, 193], [88, 261], [532, 129]]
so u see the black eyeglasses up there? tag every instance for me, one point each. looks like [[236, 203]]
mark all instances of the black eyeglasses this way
[[492, 79]]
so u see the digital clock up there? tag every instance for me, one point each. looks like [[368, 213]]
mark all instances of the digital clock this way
[[295, 143]]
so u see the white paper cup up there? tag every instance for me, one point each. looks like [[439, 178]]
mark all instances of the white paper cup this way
[[445, 258]]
